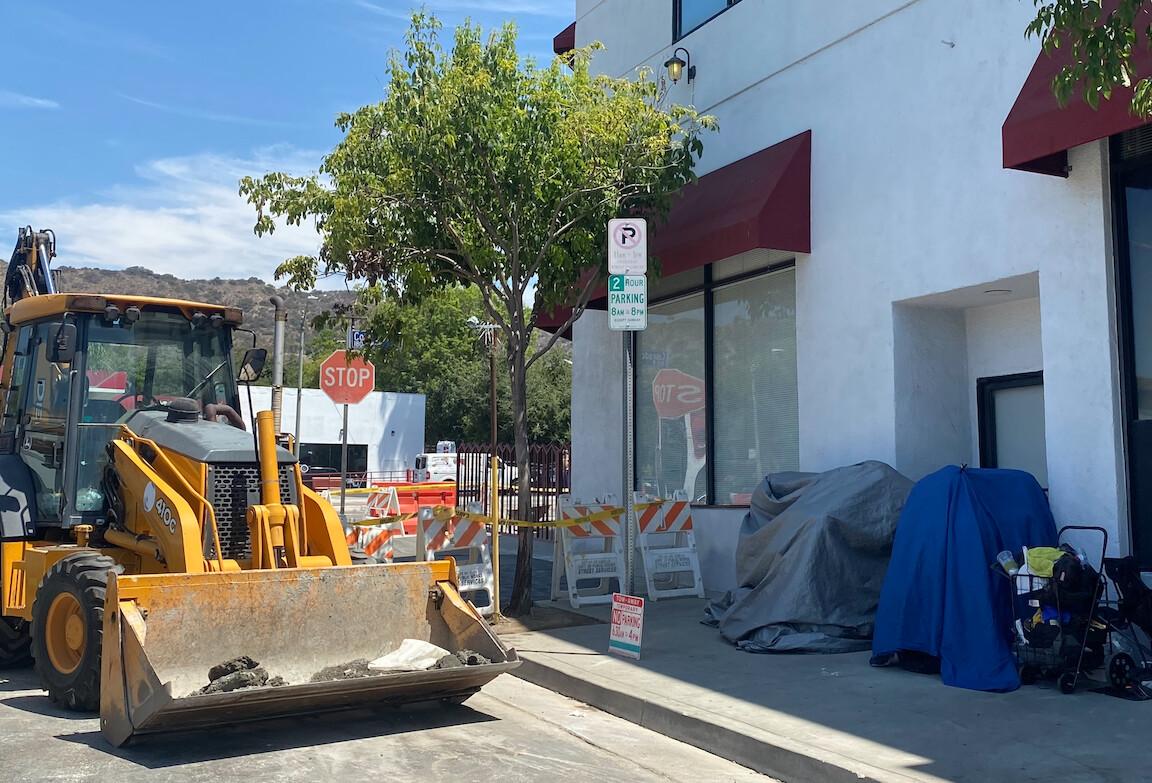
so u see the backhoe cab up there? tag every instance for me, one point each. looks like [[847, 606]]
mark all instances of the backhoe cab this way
[[147, 536]]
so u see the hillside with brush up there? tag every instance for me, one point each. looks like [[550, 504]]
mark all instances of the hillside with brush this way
[[251, 295]]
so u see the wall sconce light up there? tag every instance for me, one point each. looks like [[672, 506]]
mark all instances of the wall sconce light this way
[[677, 65]]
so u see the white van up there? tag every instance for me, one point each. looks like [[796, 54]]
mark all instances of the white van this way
[[435, 468], [439, 467]]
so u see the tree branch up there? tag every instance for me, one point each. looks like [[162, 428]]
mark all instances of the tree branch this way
[[577, 311]]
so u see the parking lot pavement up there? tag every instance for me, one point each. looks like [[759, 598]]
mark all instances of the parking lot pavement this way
[[512, 731]]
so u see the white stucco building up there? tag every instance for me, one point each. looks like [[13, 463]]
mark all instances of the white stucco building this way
[[900, 249], [385, 431]]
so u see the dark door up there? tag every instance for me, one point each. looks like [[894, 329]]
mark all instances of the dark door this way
[[1133, 196], [1012, 430]]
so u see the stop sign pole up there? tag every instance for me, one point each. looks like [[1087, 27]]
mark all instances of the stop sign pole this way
[[346, 381]]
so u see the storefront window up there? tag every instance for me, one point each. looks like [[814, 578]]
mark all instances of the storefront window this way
[[671, 422], [747, 363], [754, 382]]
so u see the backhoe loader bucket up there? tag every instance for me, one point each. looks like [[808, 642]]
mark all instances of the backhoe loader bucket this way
[[162, 633]]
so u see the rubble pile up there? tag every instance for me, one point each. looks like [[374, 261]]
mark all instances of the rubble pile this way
[[237, 673]]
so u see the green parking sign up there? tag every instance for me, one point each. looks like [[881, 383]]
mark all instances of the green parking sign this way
[[628, 303]]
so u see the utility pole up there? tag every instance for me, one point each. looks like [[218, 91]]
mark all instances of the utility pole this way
[[300, 375]]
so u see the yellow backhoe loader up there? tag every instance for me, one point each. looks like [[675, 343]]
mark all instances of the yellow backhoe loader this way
[[147, 537]]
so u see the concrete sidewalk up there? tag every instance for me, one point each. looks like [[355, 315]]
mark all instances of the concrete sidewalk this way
[[832, 717]]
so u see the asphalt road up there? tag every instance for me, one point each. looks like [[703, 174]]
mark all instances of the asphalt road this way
[[512, 731]]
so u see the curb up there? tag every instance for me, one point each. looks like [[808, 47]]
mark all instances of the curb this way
[[758, 749]]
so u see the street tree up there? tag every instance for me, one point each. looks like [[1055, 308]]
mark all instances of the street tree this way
[[1102, 40], [482, 168]]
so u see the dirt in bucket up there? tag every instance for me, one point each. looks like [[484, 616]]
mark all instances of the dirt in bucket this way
[[352, 670], [235, 674]]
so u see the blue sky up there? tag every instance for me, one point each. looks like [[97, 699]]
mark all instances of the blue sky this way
[[125, 125]]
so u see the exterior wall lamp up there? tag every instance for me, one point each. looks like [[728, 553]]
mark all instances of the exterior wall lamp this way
[[676, 65]]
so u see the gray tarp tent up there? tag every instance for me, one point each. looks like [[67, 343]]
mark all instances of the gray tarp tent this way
[[811, 559]]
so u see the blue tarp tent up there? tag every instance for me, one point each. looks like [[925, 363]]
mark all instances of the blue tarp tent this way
[[940, 595]]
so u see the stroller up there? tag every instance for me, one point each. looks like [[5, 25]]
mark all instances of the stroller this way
[[1129, 618]]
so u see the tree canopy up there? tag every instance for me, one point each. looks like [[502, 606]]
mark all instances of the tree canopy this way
[[1102, 41], [482, 169]]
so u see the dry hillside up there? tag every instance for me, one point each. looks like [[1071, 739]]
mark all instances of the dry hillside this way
[[250, 295]]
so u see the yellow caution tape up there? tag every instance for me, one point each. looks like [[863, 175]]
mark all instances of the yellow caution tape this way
[[441, 513], [613, 512]]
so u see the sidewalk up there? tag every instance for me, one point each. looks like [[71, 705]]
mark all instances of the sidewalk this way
[[832, 717]]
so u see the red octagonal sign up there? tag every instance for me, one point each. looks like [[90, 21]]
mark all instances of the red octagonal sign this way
[[347, 380], [676, 394]]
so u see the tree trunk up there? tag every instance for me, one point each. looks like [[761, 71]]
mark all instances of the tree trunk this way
[[520, 603]]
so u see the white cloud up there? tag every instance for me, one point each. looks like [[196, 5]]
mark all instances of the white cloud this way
[[183, 216], [16, 100], [201, 114]]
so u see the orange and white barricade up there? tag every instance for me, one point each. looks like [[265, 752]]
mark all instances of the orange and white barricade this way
[[383, 502], [378, 541], [467, 541], [668, 547], [592, 551]]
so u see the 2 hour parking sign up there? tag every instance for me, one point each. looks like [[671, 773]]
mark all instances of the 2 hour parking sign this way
[[628, 303]]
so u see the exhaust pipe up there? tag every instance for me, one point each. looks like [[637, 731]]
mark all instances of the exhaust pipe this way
[[281, 324], [46, 251]]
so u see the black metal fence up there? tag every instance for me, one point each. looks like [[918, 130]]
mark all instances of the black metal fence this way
[[549, 466]]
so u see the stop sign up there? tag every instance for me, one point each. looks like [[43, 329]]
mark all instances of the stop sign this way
[[346, 380], [676, 394]]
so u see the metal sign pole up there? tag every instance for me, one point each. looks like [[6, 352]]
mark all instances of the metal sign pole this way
[[628, 313], [629, 466], [343, 464]]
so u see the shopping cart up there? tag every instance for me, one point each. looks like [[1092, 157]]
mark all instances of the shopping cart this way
[[1062, 630]]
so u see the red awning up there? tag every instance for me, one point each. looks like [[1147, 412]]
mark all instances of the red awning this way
[[565, 41], [763, 201], [1038, 132]]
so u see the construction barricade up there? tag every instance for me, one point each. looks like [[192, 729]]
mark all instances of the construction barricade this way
[[383, 502], [591, 551], [668, 547], [378, 541], [413, 497], [466, 540]]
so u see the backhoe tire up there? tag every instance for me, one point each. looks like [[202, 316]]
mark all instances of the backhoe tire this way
[[15, 643], [68, 630]]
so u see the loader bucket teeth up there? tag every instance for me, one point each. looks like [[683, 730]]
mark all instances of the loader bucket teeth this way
[[164, 632]]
